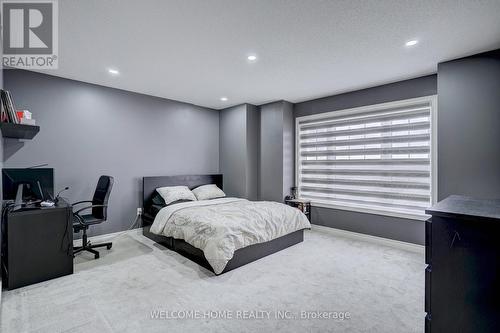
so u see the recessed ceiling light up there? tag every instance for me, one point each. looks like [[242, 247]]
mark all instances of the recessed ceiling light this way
[[113, 71], [252, 57], [224, 99], [412, 42]]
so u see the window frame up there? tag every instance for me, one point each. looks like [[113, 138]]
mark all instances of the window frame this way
[[432, 100]]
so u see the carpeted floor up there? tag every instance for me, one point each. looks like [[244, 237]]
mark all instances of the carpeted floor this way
[[358, 286]]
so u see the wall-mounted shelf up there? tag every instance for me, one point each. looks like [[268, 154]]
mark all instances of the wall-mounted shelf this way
[[19, 131]]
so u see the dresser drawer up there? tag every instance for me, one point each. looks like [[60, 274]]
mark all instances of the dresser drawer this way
[[428, 241], [428, 323], [428, 272]]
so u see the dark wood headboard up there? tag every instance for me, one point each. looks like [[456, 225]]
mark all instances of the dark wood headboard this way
[[150, 184]]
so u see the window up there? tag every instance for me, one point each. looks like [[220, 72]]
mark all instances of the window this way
[[376, 159]]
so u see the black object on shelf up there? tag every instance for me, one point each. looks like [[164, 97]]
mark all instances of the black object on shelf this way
[[462, 277], [19, 131]]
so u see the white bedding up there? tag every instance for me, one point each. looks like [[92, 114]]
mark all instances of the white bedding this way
[[221, 226]]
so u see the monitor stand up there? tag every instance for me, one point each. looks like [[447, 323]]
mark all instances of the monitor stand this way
[[18, 203], [27, 203]]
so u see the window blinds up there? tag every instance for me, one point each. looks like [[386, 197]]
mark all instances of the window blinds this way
[[376, 158]]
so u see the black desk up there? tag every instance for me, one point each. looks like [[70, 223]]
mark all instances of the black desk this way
[[37, 245]]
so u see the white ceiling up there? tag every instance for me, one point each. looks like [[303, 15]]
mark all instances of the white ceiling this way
[[195, 50]]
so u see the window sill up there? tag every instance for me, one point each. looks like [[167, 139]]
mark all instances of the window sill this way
[[408, 216]]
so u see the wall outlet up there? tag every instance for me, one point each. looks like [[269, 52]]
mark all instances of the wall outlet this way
[[139, 211]]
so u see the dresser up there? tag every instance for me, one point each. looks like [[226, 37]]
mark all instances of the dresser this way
[[462, 277]]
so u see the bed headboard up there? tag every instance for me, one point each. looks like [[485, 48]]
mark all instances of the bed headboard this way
[[150, 184]]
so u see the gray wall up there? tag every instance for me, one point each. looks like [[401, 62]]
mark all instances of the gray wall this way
[[1, 162], [239, 150], [277, 150], [232, 141], [422, 86], [288, 148], [271, 151], [389, 227], [469, 126], [253, 151], [89, 130]]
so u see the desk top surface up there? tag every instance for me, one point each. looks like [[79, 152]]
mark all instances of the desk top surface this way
[[62, 204]]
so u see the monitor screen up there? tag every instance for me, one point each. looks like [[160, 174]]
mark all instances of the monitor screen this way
[[29, 178]]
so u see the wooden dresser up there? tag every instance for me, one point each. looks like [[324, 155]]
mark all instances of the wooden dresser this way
[[462, 277]]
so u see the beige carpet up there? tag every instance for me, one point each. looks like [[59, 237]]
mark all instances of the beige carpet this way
[[343, 285]]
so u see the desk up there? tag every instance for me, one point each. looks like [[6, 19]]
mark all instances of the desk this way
[[37, 245]]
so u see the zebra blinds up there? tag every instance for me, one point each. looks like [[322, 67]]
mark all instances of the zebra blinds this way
[[376, 158]]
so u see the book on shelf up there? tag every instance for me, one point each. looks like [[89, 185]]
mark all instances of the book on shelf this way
[[9, 114], [12, 108], [3, 112], [8, 106], [3, 102]]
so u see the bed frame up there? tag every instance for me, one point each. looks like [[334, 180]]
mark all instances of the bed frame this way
[[241, 256]]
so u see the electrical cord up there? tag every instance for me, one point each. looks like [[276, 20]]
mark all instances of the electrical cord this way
[[67, 234], [116, 236], [129, 228]]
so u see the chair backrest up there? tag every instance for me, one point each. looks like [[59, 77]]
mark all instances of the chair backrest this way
[[101, 197]]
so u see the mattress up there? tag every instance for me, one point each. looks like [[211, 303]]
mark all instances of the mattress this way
[[219, 227]]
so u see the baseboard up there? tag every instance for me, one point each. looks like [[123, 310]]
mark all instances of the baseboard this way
[[373, 239], [108, 237]]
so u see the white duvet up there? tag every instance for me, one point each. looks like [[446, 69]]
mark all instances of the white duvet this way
[[219, 227]]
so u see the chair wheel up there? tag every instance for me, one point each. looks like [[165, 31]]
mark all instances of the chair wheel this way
[[109, 246], [96, 256]]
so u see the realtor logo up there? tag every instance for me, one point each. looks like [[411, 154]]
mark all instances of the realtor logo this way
[[30, 34]]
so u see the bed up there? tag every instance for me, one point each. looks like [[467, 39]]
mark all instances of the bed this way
[[241, 256]]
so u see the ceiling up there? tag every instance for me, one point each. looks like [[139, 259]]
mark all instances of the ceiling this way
[[196, 50]]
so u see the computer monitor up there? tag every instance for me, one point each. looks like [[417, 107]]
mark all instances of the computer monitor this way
[[28, 184]]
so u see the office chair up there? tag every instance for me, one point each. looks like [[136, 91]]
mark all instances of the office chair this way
[[99, 206]]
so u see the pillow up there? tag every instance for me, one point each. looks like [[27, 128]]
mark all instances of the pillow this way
[[157, 199], [210, 191], [174, 193]]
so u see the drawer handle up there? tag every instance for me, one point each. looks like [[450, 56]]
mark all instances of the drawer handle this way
[[455, 236]]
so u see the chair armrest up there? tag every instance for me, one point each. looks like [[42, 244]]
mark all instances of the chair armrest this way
[[80, 202], [79, 218], [88, 207]]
